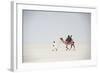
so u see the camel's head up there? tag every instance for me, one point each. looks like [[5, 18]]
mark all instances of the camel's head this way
[[61, 38]]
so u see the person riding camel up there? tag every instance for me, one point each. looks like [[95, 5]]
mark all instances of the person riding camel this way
[[69, 38], [68, 41]]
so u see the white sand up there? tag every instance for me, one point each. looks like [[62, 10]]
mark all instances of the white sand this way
[[46, 53]]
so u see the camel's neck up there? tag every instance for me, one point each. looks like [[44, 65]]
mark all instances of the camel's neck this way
[[62, 40]]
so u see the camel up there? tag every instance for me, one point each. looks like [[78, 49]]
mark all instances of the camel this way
[[68, 43]]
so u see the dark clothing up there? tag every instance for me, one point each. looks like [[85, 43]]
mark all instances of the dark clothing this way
[[69, 39]]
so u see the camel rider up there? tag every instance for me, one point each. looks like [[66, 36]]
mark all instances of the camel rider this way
[[69, 38]]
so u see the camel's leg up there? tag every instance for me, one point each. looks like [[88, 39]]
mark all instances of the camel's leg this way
[[67, 48], [73, 46]]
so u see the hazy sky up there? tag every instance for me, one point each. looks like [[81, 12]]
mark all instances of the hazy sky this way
[[46, 26]]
